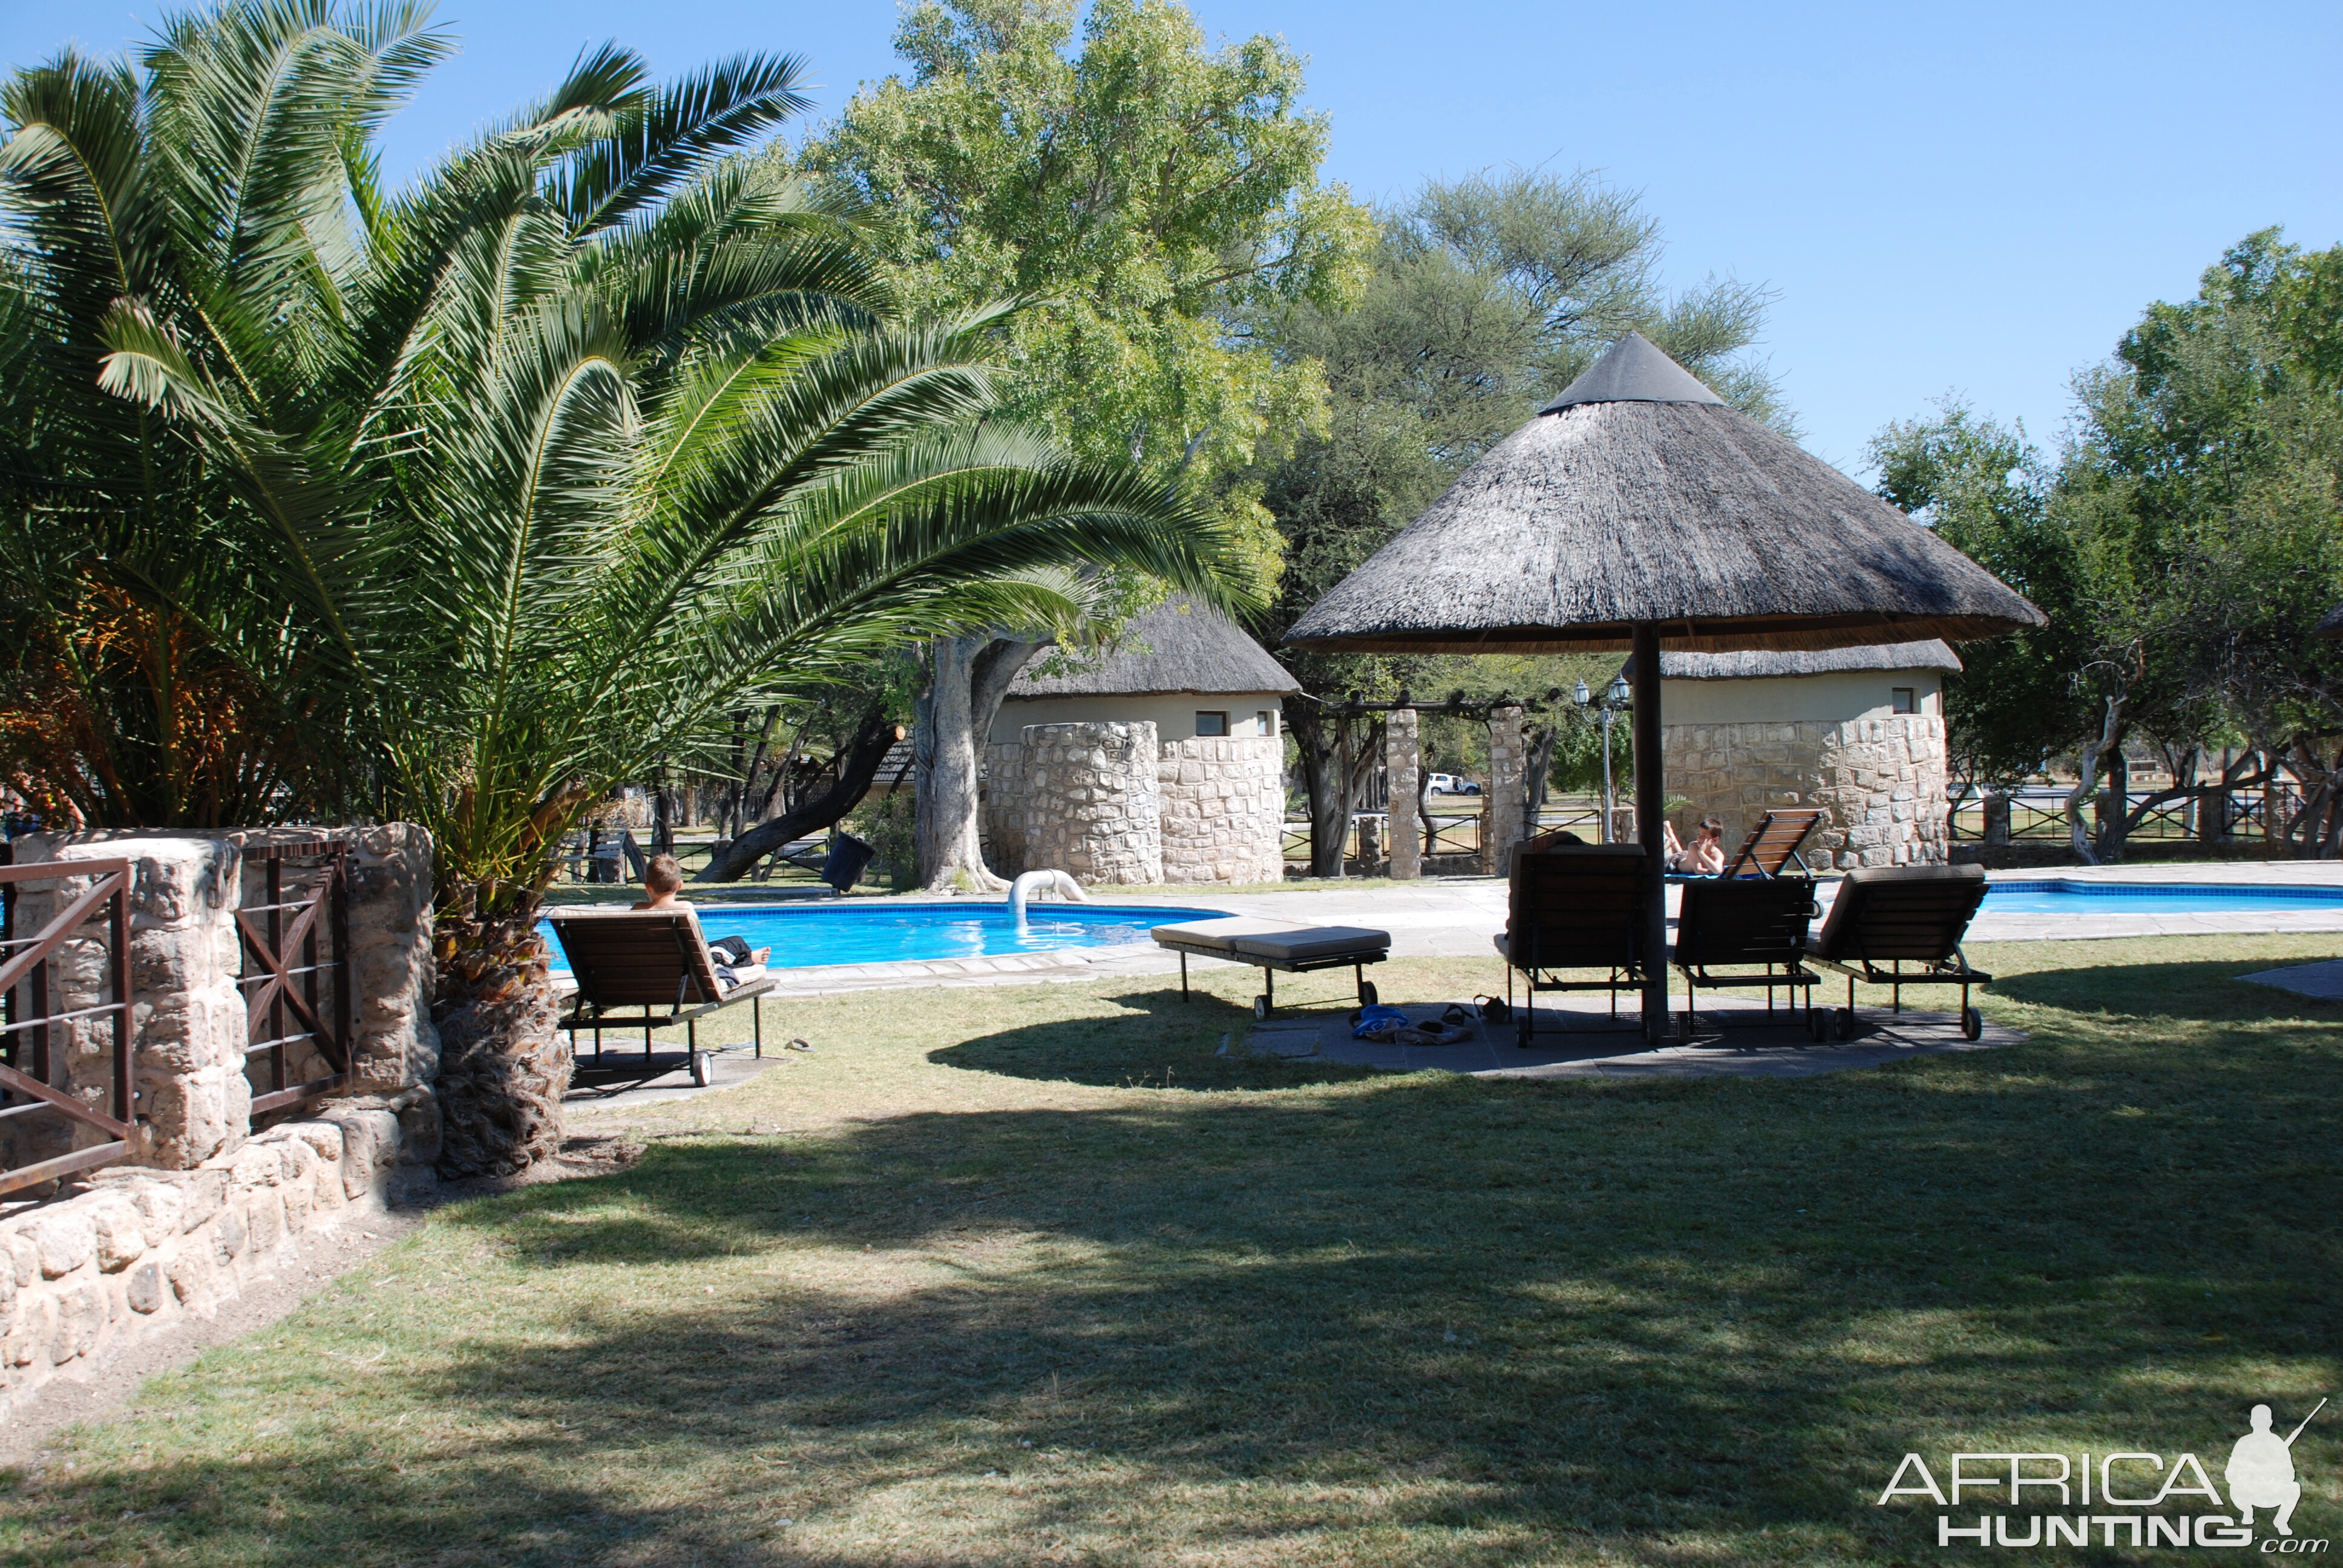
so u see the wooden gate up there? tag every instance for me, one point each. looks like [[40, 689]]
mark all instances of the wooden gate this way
[[32, 1023], [304, 885]]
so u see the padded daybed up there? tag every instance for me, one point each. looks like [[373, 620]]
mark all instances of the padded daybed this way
[[1273, 945]]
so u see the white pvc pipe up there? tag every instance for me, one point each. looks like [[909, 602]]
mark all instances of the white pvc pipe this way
[[1033, 882]]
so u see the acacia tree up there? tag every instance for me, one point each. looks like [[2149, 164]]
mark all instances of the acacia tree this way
[[547, 463], [1152, 196], [1487, 296], [2182, 546]]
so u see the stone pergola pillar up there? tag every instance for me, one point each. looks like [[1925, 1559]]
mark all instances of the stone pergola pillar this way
[[1403, 764], [1500, 815]]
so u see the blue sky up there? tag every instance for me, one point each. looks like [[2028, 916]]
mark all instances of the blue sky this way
[[1974, 198]]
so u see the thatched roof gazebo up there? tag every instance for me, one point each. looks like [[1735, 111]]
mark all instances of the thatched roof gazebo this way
[[1638, 510]]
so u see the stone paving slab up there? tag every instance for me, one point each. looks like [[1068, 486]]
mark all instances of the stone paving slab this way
[[1581, 1041], [2324, 981]]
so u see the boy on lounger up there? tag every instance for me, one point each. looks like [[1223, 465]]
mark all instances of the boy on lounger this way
[[1706, 857], [663, 880]]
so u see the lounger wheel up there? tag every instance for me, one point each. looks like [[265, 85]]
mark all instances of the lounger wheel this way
[[1972, 1024], [1818, 1025], [703, 1072], [1521, 1031], [1843, 1021], [1260, 1007], [1366, 993]]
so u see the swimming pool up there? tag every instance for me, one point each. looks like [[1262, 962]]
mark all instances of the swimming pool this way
[[2061, 896], [804, 935]]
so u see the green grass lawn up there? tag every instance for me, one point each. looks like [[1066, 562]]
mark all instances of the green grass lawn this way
[[1029, 1274]]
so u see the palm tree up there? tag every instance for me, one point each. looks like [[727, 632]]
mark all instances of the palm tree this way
[[546, 464]]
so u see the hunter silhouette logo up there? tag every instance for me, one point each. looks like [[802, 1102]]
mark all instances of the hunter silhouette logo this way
[[2121, 1497], [2261, 1470]]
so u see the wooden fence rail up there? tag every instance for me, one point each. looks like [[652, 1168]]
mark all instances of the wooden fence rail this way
[[31, 1021]]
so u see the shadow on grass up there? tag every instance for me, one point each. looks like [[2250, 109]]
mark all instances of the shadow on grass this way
[[1157, 1042], [1421, 1319], [2210, 992]]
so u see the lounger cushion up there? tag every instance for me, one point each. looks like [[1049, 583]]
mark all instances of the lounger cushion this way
[[1220, 935], [1313, 942], [1921, 913]]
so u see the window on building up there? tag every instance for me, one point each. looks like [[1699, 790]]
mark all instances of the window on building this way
[[1212, 724], [1264, 722], [1904, 698]]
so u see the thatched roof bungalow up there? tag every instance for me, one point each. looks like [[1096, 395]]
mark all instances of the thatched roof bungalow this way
[[1857, 731], [1160, 760]]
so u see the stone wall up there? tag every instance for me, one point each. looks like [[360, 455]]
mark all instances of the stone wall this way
[[86, 1277], [191, 1100], [1078, 798], [1880, 780], [1068, 797], [1223, 806], [193, 1083]]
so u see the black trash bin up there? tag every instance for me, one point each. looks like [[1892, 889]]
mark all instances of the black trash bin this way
[[847, 858]]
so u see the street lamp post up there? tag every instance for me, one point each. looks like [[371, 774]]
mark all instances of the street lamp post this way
[[1610, 704]]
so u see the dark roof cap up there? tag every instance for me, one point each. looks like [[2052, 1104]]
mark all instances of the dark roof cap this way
[[1634, 371]]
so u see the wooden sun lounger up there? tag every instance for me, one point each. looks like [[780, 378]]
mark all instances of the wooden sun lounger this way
[[1725, 926], [1273, 945], [1775, 842], [648, 960], [1888, 917], [1574, 907]]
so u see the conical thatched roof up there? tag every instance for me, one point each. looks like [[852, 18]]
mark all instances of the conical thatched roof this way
[[1642, 498], [1178, 647], [1761, 665], [2331, 623]]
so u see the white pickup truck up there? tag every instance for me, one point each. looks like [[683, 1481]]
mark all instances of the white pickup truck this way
[[1450, 784]]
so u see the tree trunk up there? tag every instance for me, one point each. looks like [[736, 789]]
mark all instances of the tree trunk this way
[[2110, 739], [503, 1065], [966, 678], [858, 766], [1534, 780], [1321, 777]]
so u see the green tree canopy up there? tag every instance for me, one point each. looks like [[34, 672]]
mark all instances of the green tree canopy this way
[[2183, 545], [1153, 194]]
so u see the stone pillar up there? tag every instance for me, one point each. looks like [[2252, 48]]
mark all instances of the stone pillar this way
[[1501, 813], [187, 1063], [1091, 801], [393, 1045], [1996, 819], [1404, 761]]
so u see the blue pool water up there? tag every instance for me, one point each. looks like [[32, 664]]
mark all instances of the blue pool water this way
[[805, 935], [2059, 896]]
